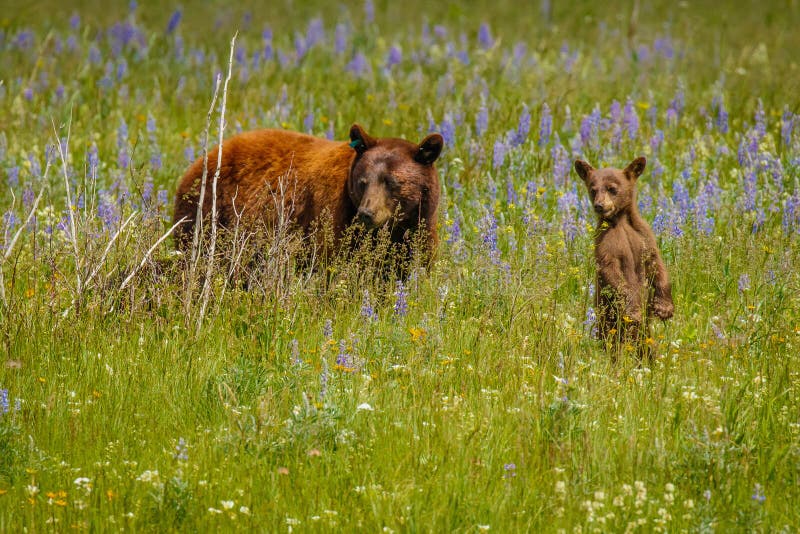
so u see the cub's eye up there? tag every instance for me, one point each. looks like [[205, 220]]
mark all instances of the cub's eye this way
[[612, 190]]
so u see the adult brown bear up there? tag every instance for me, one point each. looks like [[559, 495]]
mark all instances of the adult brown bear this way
[[375, 181]]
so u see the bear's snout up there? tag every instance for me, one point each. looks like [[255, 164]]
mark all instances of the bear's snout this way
[[366, 217]]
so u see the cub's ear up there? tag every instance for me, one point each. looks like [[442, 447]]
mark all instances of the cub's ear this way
[[636, 167], [360, 140], [429, 149], [583, 169]]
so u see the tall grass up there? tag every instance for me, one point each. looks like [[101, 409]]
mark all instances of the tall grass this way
[[471, 395]]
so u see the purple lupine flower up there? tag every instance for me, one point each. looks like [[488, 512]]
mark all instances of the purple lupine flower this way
[[327, 329], [340, 38], [482, 121], [308, 122], [266, 37], [511, 193], [74, 21], [369, 12], [787, 125], [162, 197], [499, 154], [750, 190], [721, 119], [510, 470], [590, 320], [631, 119], [367, 310], [401, 300], [27, 93], [485, 36], [448, 131], [791, 213], [545, 125], [343, 358], [174, 20], [4, 406], [523, 127], [323, 381], [315, 32], [758, 494], [615, 112], [744, 282], [27, 197], [359, 65], [394, 58], [454, 231], [489, 236], [13, 177], [761, 120]]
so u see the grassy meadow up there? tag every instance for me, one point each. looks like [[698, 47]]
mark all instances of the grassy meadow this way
[[471, 396]]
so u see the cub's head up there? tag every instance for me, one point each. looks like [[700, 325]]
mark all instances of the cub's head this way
[[394, 179], [612, 191]]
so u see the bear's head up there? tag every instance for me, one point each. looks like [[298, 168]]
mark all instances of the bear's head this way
[[394, 179], [612, 191]]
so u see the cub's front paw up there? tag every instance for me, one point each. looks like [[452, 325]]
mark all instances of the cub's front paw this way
[[663, 308]]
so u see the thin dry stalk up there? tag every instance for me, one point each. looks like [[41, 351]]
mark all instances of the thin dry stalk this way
[[206, 293], [149, 252]]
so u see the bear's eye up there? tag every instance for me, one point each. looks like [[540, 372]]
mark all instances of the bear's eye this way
[[612, 190], [362, 182]]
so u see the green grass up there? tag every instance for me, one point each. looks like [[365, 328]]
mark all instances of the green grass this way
[[490, 404]]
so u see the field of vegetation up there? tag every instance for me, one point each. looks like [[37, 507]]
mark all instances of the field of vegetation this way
[[469, 397]]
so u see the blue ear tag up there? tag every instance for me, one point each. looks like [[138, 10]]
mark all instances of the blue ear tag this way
[[355, 143]]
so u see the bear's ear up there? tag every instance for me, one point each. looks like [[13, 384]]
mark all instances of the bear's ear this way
[[429, 149], [360, 140], [583, 169], [636, 168]]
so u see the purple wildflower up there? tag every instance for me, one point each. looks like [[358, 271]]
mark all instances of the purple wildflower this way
[[787, 125], [327, 329], [758, 494], [631, 119], [761, 120], [340, 38], [545, 125], [394, 58], [13, 177], [485, 36], [367, 310], [323, 381], [510, 470], [482, 121], [359, 65], [4, 406], [401, 300], [499, 154], [744, 282], [369, 12], [174, 20], [523, 128], [448, 130], [308, 122]]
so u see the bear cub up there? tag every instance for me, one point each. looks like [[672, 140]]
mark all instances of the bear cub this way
[[632, 280]]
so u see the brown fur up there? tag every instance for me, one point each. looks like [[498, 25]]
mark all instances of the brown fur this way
[[383, 181], [632, 280]]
